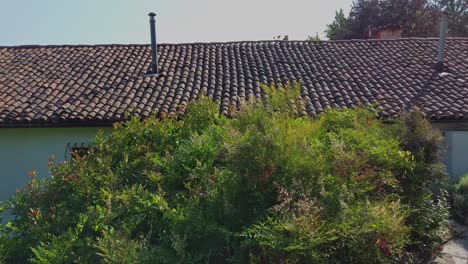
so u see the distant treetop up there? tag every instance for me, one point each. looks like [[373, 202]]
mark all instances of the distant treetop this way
[[417, 18]]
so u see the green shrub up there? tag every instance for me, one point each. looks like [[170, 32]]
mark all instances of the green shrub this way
[[460, 197], [425, 188], [268, 186]]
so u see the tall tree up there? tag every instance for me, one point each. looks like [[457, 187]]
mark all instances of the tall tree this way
[[457, 11], [418, 18], [339, 28]]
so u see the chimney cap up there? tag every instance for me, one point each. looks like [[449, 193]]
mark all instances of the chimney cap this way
[[152, 14]]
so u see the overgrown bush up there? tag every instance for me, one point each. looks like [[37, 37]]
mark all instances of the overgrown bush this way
[[460, 197], [267, 186]]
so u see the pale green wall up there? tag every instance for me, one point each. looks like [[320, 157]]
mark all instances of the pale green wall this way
[[25, 149]]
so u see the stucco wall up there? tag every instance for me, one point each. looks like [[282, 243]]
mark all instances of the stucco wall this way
[[26, 149]]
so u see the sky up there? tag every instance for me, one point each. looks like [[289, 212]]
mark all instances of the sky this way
[[57, 22]]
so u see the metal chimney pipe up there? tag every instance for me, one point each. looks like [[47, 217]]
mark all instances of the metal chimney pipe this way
[[154, 45], [443, 34]]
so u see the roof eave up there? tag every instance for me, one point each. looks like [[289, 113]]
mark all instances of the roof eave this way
[[56, 125], [110, 124]]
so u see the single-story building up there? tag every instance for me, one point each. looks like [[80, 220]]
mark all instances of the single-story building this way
[[53, 98]]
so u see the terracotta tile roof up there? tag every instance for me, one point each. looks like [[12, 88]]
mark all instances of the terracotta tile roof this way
[[58, 85]]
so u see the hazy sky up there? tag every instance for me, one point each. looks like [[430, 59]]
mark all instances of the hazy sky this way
[[126, 21]]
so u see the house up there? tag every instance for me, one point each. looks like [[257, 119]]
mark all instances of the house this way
[[385, 32], [54, 98]]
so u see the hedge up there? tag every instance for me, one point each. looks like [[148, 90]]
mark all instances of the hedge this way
[[267, 184]]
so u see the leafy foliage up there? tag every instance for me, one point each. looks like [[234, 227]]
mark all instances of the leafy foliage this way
[[281, 37], [339, 28], [457, 12], [460, 197], [417, 18], [315, 37], [271, 185]]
